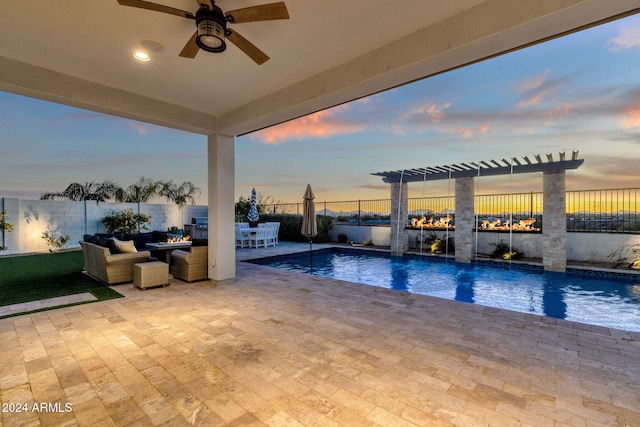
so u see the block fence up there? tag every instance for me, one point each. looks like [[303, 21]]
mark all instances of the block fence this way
[[31, 218]]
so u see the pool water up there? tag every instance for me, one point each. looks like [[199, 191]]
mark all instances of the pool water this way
[[610, 301]]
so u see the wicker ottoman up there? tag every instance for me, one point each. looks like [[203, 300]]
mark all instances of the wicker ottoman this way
[[150, 274]]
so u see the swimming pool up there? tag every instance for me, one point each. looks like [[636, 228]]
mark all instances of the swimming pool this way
[[604, 300]]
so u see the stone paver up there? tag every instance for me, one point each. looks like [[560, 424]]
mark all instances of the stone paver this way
[[26, 307], [280, 348]]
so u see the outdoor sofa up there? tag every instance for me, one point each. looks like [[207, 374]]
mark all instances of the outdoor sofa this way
[[111, 268]]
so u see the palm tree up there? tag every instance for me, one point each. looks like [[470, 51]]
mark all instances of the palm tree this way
[[100, 192], [140, 192], [181, 194]]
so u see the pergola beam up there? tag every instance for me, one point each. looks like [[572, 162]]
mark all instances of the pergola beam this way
[[473, 169]]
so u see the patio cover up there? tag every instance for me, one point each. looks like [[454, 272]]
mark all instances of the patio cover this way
[[79, 53]]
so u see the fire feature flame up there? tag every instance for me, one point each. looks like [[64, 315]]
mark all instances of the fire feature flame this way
[[423, 222], [178, 239], [521, 225]]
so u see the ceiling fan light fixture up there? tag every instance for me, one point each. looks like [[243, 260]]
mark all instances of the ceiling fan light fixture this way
[[211, 31]]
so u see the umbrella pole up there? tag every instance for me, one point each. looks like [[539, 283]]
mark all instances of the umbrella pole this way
[[310, 256]]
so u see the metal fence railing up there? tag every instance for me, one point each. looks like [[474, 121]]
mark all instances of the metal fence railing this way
[[610, 210]]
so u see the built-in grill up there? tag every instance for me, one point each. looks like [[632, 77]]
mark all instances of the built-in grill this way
[[199, 227], [200, 221]]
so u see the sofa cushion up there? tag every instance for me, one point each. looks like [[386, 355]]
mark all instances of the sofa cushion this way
[[91, 238], [103, 241], [140, 240], [160, 236]]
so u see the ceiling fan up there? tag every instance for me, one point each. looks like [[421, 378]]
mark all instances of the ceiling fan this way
[[211, 24]]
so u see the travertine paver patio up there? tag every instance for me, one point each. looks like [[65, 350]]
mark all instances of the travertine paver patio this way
[[279, 348]]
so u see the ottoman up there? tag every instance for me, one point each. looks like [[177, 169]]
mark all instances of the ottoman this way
[[150, 274]]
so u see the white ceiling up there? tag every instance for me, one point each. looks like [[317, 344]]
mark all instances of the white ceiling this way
[[79, 52]]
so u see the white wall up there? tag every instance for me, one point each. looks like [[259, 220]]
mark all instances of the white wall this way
[[33, 217]]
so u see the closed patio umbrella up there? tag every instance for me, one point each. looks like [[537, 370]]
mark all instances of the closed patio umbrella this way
[[253, 215], [309, 224]]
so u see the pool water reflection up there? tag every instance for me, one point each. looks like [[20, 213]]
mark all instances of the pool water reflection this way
[[604, 301]]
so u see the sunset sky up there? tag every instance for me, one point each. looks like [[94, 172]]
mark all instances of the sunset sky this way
[[581, 92]]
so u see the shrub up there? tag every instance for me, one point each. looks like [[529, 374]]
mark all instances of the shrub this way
[[126, 221], [627, 256], [368, 242], [434, 244], [504, 251], [4, 226], [342, 238], [56, 242]]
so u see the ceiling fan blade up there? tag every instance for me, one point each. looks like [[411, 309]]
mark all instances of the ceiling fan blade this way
[[247, 47], [265, 12], [156, 7], [190, 50]]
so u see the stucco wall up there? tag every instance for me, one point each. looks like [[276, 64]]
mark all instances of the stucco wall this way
[[33, 217]]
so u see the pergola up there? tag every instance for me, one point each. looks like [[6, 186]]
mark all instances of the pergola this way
[[79, 53], [554, 201]]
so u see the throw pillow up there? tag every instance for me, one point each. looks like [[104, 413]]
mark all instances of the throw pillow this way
[[125, 246], [111, 244]]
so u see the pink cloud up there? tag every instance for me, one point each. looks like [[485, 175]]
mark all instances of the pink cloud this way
[[534, 100], [628, 38], [534, 83], [322, 124], [141, 128], [463, 132], [432, 111], [631, 118], [537, 89]]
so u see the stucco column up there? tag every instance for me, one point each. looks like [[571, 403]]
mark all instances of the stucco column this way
[[554, 225], [464, 220], [399, 215], [221, 191]]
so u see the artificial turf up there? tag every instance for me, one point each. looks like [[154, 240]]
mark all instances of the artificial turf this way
[[36, 277]]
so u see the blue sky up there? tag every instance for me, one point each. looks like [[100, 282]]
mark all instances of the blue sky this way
[[581, 92]]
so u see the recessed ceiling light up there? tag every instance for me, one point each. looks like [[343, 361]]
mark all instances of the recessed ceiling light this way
[[152, 45], [141, 56]]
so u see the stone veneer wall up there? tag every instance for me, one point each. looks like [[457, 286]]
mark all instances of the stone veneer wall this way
[[554, 232], [33, 217], [465, 218], [399, 210]]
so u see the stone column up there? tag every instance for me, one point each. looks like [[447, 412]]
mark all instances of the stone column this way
[[554, 221], [399, 216], [465, 218], [221, 189]]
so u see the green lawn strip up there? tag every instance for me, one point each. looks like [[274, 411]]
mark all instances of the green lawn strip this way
[[37, 277]]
